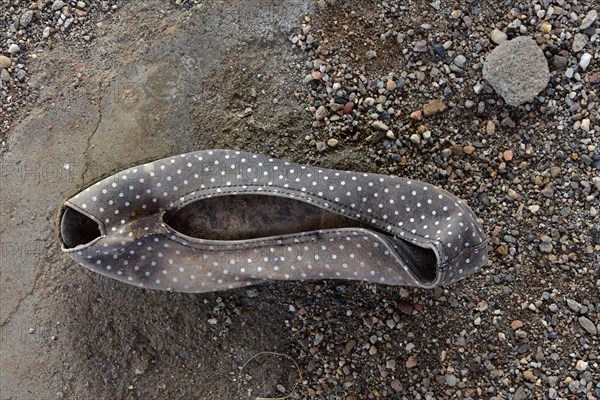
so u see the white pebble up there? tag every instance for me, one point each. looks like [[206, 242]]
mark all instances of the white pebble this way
[[584, 61]]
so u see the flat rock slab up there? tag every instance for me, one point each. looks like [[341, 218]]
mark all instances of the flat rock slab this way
[[517, 70]]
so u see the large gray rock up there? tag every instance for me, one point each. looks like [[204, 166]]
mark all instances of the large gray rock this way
[[517, 70]]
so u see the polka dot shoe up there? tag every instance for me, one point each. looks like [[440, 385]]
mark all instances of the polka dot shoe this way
[[215, 220]]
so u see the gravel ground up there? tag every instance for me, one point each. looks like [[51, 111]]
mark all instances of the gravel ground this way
[[398, 87]]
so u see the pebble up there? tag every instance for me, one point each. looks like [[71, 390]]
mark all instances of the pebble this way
[[46, 32], [507, 155], [546, 26], [534, 208], [416, 115], [5, 62], [371, 54], [433, 107], [589, 19], [585, 125], [5, 76], [14, 48], [411, 362], [498, 36], [490, 127], [460, 61], [585, 60], [332, 142], [321, 146], [517, 70], [416, 139], [451, 380], [380, 126], [468, 149], [579, 42], [581, 365], [528, 375], [391, 85], [420, 46], [57, 5], [396, 385], [26, 18], [573, 305], [588, 325], [516, 324], [321, 113]]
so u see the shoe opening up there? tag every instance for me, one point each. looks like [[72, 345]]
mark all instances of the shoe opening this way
[[77, 229], [251, 216]]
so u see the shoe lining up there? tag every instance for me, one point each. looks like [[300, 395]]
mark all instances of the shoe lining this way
[[77, 229], [251, 216]]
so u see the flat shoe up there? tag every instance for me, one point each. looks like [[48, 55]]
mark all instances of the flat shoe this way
[[221, 219]]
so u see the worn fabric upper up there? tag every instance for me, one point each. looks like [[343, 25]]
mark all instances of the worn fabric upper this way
[[137, 247]]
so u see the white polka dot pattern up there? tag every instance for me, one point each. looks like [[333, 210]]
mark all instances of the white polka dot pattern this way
[[138, 248]]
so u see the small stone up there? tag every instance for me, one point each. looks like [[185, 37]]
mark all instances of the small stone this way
[[581, 365], [498, 36], [585, 125], [349, 346], [390, 135], [321, 146], [579, 42], [507, 155], [548, 192], [416, 139], [321, 113], [396, 385], [451, 380], [26, 18], [348, 107], [589, 19], [14, 48], [391, 85], [529, 375], [517, 70], [559, 61], [512, 194], [468, 149], [460, 61], [380, 126], [371, 54], [584, 61], [405, 307], [434, 107], [5, 76], [46, 32], [212, 321], [57, 5], [5, 62], [573, 305], [332, 142], [534, 208], [546, 26], [516, 324], [420, 46], [587, 325], [490, 127], [411, 362], [416, 115], [390, 364], [316, 75]]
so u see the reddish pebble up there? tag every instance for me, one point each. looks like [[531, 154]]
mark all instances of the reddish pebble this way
[[316, 75], [507, 155], [416, 115], [348, 107], [516, 324], [411, 362]]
